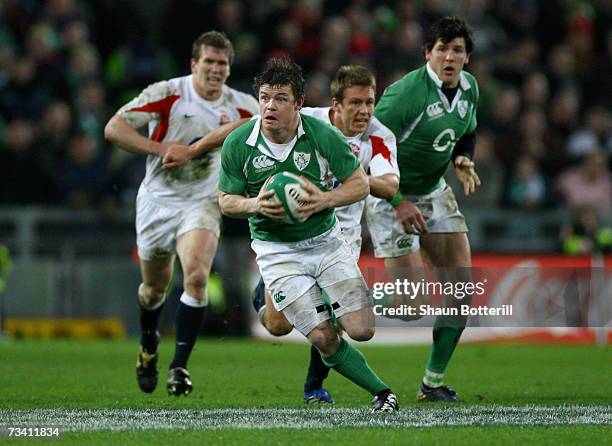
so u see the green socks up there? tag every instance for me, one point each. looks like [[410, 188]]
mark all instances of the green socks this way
[[350, 363], [445, 340]]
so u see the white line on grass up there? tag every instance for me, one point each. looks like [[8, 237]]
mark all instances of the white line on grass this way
[[292, 418]]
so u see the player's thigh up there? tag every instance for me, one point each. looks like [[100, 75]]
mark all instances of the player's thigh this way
[[451, 260], [275, 321], [156, 228], [196, 250], [307, 312], [198, 235], [388, 236], [447, 249], [352, 306]]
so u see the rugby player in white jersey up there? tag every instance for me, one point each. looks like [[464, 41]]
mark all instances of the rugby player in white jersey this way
[[177, 210], [353, 96]]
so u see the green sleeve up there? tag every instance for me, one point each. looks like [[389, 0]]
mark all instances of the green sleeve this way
[[473, 122], [396, 109], [231, 178], [342, 160]]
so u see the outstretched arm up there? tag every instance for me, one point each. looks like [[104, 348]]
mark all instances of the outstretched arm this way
[[178, 155], [119, 132]]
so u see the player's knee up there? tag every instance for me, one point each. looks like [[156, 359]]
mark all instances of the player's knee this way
[[151, 294], [325, 338], [195, 282], [361, 334], [278, 326]]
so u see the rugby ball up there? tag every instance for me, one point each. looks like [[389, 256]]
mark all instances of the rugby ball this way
[[288, 189]]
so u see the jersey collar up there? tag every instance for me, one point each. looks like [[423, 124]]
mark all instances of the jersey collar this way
[[200, 99], [463, 82], [252, 139]]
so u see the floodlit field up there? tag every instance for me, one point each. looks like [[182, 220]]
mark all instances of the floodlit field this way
[[250, 392]]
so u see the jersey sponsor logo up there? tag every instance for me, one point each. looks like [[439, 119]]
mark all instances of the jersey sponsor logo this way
[[186, 116], [444, 141], [262, 162], [355, 148], [435, 109], [279, 297], [301, 160], [405, 242], [462, 108]]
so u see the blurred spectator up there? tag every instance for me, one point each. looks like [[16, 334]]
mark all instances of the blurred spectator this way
[[504, 115], [527, 188], [535, 139], [54, 136], [22, 180], [597, 132], [536, 90], [589, 184], [84, 65], [561, 68], [598, 89], [564, 113], [92, 110], [84, 178], [585, 235], [24, 96]]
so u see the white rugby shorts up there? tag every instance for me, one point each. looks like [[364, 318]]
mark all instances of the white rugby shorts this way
[[158, 226], [290, 269], [439, 208]]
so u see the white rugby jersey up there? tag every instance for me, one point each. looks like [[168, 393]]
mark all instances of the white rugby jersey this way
[[175, 112], [377, 152]]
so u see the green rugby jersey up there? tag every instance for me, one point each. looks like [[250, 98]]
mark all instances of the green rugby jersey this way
[[426, 125], [320, 154]]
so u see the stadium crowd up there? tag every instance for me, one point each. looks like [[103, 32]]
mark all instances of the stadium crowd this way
[[545, 125]]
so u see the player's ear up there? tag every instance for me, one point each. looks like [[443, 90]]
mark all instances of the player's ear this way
[[299, 103], [467, 59], [335, 104], [193, 64]]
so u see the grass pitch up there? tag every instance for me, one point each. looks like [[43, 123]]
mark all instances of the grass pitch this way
[[248, 392]]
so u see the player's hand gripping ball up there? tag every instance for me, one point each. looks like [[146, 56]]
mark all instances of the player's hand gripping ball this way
[[288, 189]]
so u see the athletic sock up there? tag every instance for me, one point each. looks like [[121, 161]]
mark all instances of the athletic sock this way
[[259, 298], [317, 371], [149, 318], [445, 340], [189, 319], [350, 363]]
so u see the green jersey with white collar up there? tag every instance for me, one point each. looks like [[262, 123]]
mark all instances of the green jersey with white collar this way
[[426, 125], [320, 154]]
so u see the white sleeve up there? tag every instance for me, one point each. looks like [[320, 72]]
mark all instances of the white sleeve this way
[[384, 154], [247, 103], [152, 104]]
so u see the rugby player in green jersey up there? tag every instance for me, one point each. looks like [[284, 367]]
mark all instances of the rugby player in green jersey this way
[[299, 261], [432, 112]]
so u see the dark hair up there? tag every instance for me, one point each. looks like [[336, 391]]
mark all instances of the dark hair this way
[[348, 76], [215, 39], [447, 29], [281, 71]]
